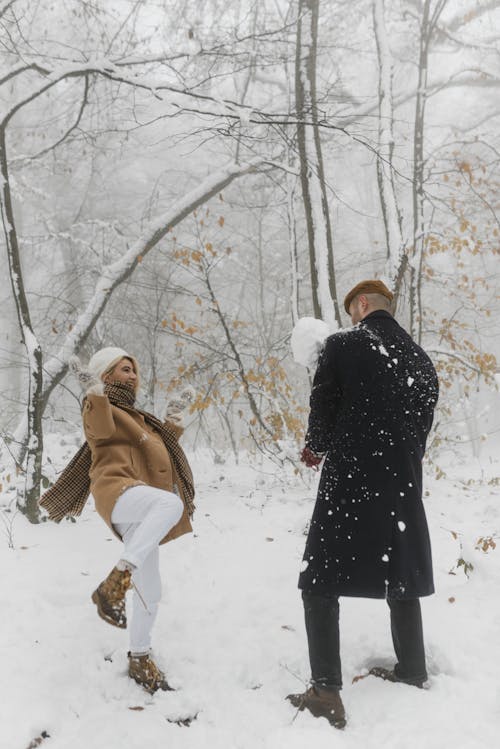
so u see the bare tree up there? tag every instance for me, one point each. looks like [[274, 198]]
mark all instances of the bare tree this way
[[385, 172], [30, 443], [430, 17], [32, 80], [317, 214], [33, 439]]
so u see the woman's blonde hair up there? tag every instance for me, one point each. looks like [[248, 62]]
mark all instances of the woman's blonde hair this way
[[134, 363]]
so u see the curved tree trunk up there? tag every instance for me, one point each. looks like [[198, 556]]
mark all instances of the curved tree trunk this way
[[29, 437]]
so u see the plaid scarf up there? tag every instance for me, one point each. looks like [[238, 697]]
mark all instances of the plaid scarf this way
[[69, 494]]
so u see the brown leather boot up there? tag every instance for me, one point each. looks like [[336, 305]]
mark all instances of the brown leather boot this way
[[143, 670], [390, 675], [322, 703], [109, 597]]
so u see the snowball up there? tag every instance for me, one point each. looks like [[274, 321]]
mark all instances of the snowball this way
[[410, 381], [385, 558], [308, 337], [401, 525]]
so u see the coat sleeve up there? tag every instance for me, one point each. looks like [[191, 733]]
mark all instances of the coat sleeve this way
[[326, 395], [98, 421]]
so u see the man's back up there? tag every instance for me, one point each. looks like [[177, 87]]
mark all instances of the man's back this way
[[376, 382], [372, 406]]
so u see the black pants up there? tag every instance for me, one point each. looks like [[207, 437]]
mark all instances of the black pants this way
[[322, 627]]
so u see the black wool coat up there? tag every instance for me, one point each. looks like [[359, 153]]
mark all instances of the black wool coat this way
[[372, 406]]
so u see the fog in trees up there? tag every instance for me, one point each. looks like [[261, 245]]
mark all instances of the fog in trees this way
[[186, 180]]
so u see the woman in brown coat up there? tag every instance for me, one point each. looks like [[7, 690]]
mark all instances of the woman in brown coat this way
[[142, 487]]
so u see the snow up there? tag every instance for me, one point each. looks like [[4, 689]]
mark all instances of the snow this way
[[307, 340], [230, 631]]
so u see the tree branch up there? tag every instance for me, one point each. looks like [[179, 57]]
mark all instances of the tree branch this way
[[463, 19], [67, 133], [112, 276], [23, 69], [5, 8], [452, 355]]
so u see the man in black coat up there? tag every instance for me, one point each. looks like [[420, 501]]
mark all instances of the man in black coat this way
[[372, 406]]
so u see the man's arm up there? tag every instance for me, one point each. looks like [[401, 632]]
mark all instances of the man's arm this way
[[324, 402]]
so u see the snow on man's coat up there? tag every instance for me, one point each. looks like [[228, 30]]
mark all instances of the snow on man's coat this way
[[372, 406]]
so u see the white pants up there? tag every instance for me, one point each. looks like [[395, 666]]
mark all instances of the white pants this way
[[142, 516]]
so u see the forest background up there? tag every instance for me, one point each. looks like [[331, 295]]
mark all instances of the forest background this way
[[187, 180]]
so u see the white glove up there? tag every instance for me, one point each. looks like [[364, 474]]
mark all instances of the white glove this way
[[89, 383], [177, 404]]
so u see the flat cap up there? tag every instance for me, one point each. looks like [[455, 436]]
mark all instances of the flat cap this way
[[367, 287]]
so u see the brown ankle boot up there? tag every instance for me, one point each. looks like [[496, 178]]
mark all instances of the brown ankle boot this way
[[143, 670], [109, 597], [390, 675], [322, 703]]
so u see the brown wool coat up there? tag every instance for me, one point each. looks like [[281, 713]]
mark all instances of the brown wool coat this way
[[126, 452]]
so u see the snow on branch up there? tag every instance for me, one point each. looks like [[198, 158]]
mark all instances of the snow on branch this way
[[108, 69], [480, 80], [17, 71], [115, 273]]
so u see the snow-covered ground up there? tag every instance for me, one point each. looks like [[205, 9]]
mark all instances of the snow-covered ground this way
[[230, 633]]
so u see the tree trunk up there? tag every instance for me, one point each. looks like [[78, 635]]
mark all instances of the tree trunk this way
[[418, 180], [319, 233], [292, 245], [427, 27], [385, 174], [27, 500]]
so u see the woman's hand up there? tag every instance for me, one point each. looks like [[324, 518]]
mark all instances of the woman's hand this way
[[177, 404], [89, 383]]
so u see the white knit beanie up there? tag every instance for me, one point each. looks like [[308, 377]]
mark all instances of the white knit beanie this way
[[107, 358]]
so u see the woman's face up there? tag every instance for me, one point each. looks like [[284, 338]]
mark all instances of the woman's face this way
[[124, 372]]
